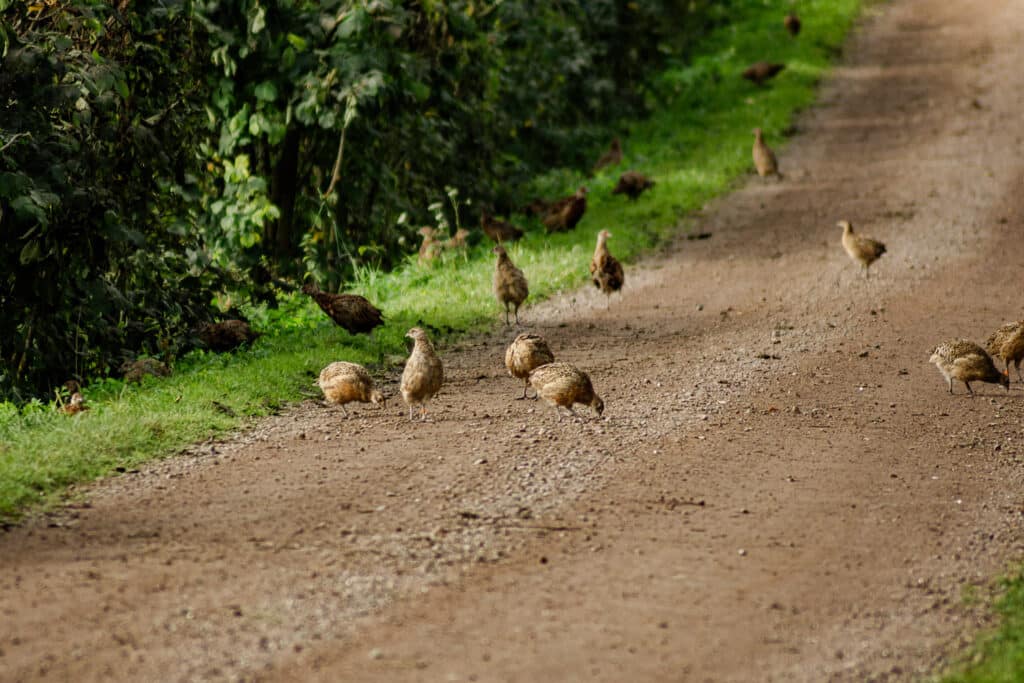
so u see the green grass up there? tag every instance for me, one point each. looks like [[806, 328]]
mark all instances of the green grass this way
[[998, 656], [696, 145]]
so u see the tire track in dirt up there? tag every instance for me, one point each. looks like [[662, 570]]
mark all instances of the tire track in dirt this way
[[862, 496]]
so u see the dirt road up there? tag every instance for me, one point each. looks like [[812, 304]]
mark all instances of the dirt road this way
[[781, 488]]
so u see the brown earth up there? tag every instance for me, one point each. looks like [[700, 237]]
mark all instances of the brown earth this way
[[781, 487]]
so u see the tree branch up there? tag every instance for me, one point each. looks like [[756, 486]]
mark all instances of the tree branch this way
[[336, 173]]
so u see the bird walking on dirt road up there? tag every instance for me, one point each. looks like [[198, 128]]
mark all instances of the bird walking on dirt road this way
[[1008, 343], [510, 284], [760, 72], [966, 361], [863, 250], [605, 269], [423, 374], [633, 184], [431, 246], [563, 385], [352, 312], [526, 353], [343, 382], [764, 158]]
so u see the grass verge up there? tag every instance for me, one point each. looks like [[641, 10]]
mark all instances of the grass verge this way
[[695, 146], [997, 656]]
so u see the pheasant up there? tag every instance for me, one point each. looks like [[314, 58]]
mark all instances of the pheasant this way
[[350, 311], [499, 230], [343, 382], [429, 248], [456, 242], [226, 335], [764, 157], [605, 268], [565, 213], [510, 284], [524, 354], [633, 184], [966, 361], [75, 405], [613, 157], [1008, 343], [135, 370], [563, 385], [760, 72], [423, 374], [792, 24], [862, 249]]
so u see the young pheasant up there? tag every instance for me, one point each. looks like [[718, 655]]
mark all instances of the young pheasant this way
[[423, 374], [344, 382], [75, 405], [613, 157], [764, 157], [1008, 343], [605, 268], [352, 312], [966, 361], [564, 214], [510, 284], [498, 230], [760, 72], [563, 385], [526, 353], [792, 24], [633, 184], [861, 249]]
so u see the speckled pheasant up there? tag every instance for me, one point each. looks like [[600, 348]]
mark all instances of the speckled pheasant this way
[[605, 269], [226, 335], [966, 361], [352, 312], [863, 250], [760, 72], [430, 247], [526, 353], [423, 374], [613, 157], [510, 284], [499, 230], [633, 184], [1008, 343], [764, 157], [564, 214], [343, 382], [563, 385], [792, 24]]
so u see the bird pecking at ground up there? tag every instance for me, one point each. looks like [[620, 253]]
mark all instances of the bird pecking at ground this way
[[1007, 343], [764, 158], [605, 269], [792, 24], [423, 374], [633, 184], [510, 286], [352, 312], [564, 214], [343, 382], [863, 250], [966, 361], [563, 385], [759, 72], [526, 353]]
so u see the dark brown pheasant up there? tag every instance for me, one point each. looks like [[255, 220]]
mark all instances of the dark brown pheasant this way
[[762, 71], [792, 24], [633, 184], [499, 230], [565, 213], [613, 157], [226, 335], [350, 311]]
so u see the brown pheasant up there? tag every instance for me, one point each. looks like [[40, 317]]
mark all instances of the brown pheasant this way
[[760, 72], [510, 284], [792, 24], [75, 405], [423, 374], [613, 157], [499, 230], [350, 311], [966, 361], [764, 157], [565, 213], [226, 335], [135, 370], [633, 184], [429, 248], [563, 385], [524, 354], [343, 382], [862, 249], [1008, 343], [605, 269]]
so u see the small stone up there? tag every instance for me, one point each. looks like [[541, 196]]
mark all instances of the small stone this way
[[742, 552], [376, 653]]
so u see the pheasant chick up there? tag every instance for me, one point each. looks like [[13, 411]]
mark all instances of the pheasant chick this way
[[605, 269], [966, 361], [510, 284], [861, 249], [526, 353], [1008, 343], [423, 374], [563, 385], [343, 382]]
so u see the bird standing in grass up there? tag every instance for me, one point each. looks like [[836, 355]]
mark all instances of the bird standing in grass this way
[[760, 72], [430, 247], [226, 335], [510, 284], [499, 230], [563, 385], [343, 382], [526, 353], [75, 405], [633, 184], [613, 157], [350, 311], [1008, 343], [423, 374], [966, 361], [861, 249], [564, 214], [605, 269], [764, 157], [792, 24]]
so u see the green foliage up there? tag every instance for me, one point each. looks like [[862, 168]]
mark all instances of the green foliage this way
[[998, 657], [695, 146]]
